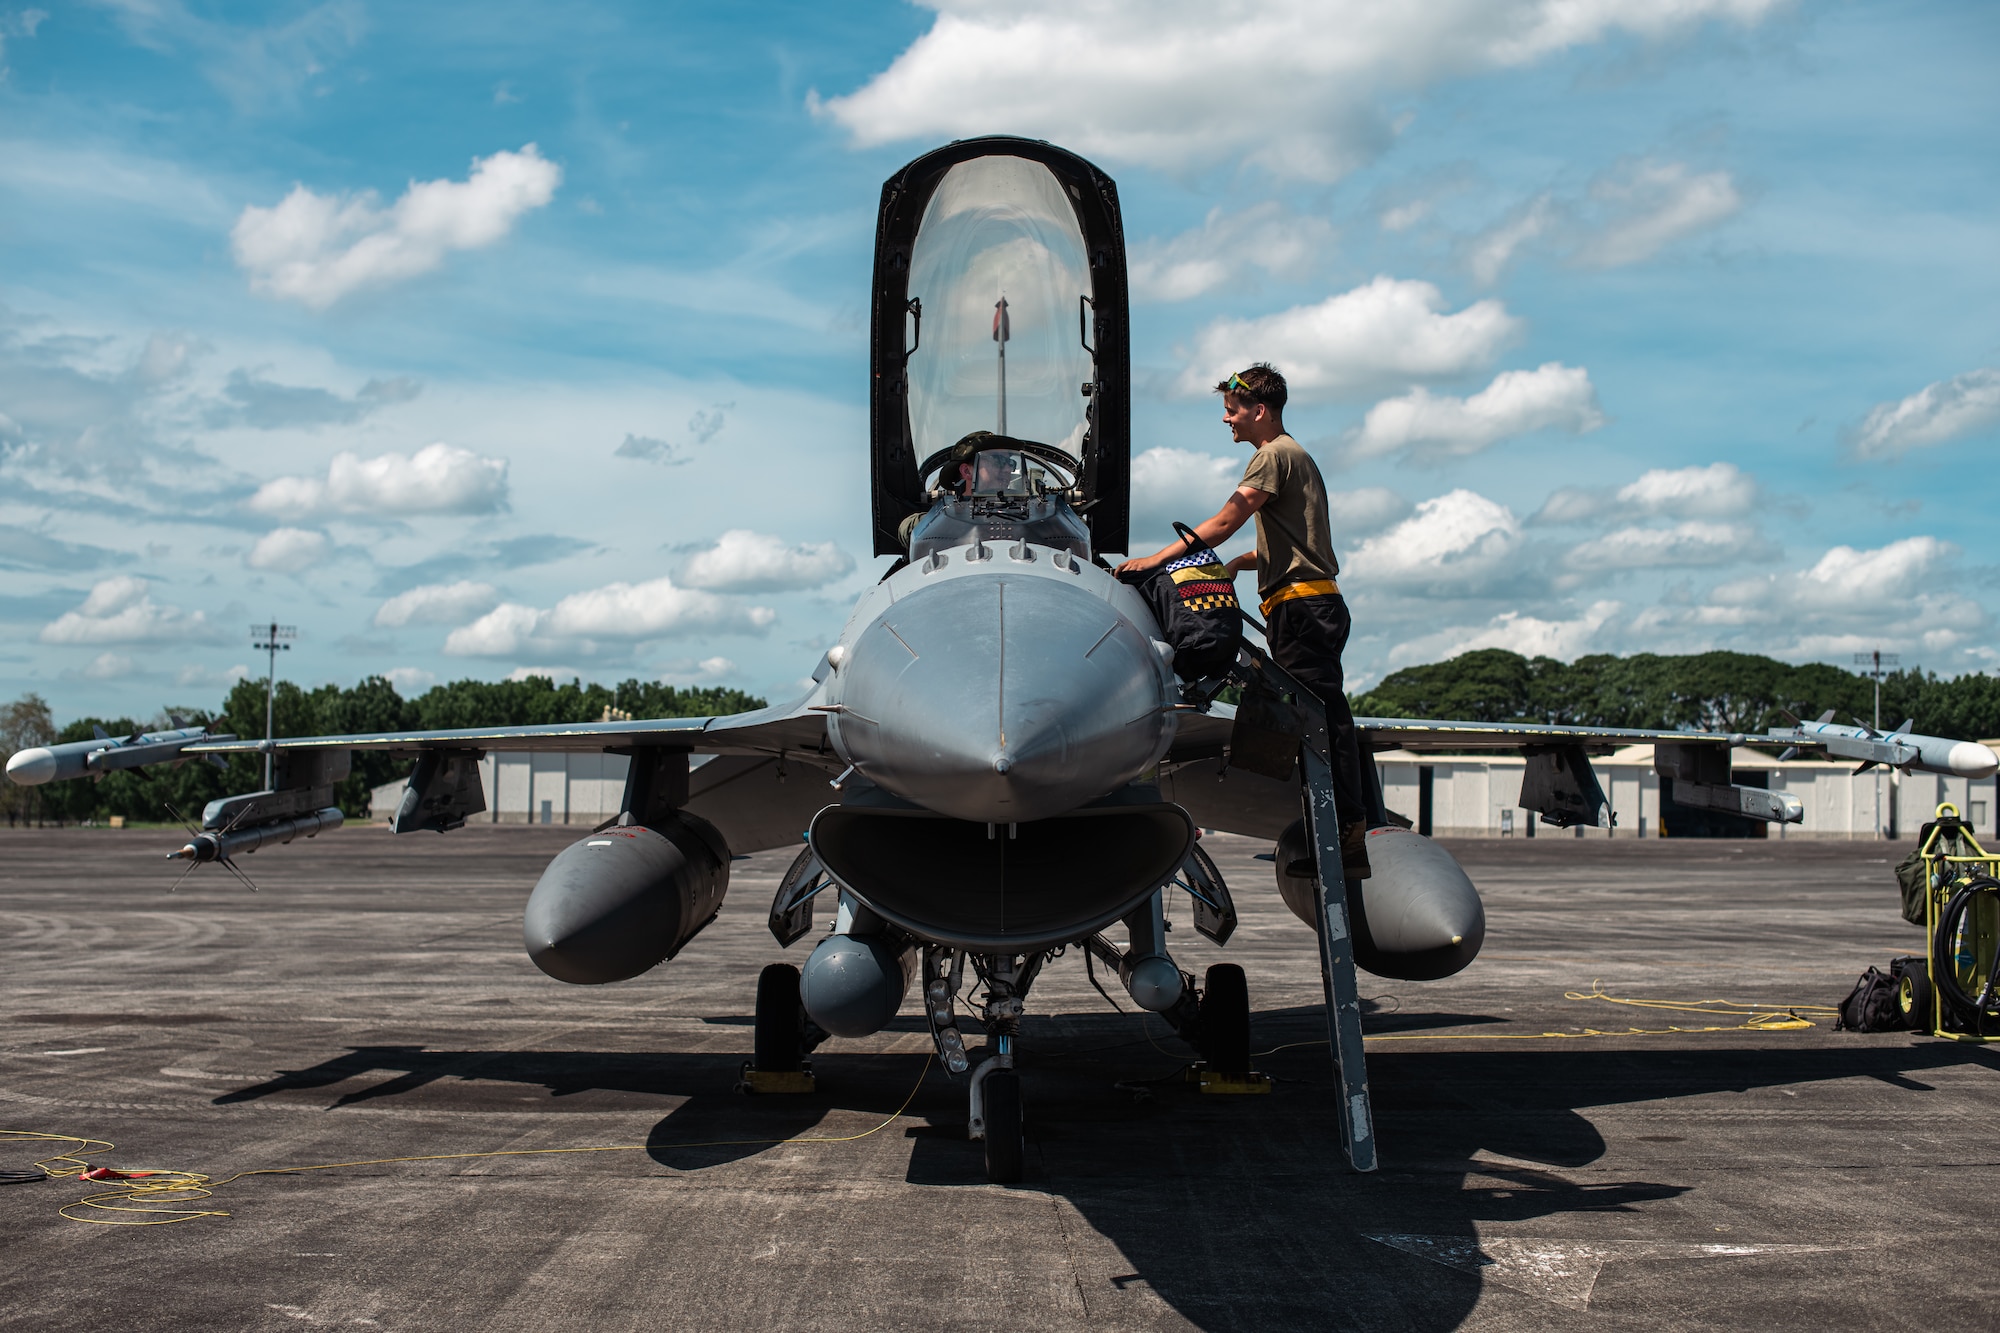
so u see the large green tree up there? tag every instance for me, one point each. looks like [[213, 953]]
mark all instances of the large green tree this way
[[1719, 691], [23, 724]]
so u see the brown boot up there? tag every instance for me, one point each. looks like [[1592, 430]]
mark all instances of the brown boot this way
[[1354, 850]]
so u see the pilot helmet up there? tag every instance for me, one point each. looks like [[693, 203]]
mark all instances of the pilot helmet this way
[[962, 453]]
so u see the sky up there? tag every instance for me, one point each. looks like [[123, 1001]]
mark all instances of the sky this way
[[485, 340]]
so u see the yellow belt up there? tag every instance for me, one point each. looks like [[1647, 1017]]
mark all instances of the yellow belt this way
[[1303, 588]]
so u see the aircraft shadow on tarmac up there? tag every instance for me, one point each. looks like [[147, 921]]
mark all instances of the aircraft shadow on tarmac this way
[[1237, 1212]]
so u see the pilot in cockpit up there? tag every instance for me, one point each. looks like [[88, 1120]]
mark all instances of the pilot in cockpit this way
[[980, 464], [997, 472]]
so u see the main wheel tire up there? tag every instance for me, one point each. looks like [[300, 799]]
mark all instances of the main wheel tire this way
[[1225, 1020], [1913, 996], [1000, 1101], [781, 1029]]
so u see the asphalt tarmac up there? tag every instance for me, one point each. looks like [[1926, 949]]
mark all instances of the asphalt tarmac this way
[[372, 1001]]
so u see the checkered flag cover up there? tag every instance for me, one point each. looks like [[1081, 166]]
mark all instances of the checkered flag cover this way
[[1202, 581]]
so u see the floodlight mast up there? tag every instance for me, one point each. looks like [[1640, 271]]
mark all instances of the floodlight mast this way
[[1875, 661], [269, 641]]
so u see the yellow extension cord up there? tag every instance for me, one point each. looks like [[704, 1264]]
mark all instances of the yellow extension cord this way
[[1762, 1018], [149, 1193]]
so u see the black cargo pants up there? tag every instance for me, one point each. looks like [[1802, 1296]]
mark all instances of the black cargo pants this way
[[1307, 636]]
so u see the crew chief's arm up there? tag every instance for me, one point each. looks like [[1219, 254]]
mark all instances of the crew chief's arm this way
[[1237, 510]]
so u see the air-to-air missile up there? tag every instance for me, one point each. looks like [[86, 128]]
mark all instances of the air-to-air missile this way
[[1900, 749], [103, 754]]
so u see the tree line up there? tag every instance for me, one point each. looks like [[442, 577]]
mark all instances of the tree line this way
[[1732, 692], [155, 793]]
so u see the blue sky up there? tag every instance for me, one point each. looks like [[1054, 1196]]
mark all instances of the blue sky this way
[[482, 339]]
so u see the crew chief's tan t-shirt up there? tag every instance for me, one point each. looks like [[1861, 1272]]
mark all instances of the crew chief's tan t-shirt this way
[[1294, 536]]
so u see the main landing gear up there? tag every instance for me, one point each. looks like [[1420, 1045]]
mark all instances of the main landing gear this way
[[784, 1036]]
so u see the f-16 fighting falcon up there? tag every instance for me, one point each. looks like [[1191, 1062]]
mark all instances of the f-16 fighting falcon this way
[[997, 762]]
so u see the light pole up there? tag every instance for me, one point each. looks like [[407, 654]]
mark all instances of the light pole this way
[[1875, 661], [269, 640]]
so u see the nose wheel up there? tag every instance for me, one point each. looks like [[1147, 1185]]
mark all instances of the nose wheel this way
[[1002, 1107]]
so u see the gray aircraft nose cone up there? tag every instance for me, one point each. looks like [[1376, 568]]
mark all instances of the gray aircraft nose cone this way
[[1001, 699]]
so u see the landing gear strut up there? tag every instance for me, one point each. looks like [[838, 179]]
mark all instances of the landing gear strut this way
[[996, 1113]]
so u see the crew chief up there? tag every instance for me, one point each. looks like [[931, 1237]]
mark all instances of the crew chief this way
[[1305, 617]]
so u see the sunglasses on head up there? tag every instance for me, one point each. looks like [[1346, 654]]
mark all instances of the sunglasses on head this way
[[1236, 385]]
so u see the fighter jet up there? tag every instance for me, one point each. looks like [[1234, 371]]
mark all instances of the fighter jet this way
[[1899, 749], [997, 764]]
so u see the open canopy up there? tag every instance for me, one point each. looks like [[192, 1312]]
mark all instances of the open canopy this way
[[1000, 305]]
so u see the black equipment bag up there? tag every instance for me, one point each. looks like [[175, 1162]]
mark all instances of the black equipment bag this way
[[1194, 600], [1871, 1006]]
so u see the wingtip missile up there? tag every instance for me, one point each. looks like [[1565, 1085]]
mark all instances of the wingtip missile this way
[[1901, 749], [106, 754]]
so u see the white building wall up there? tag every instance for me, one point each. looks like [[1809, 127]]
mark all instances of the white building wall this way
[[583, 788], [1474, 797]]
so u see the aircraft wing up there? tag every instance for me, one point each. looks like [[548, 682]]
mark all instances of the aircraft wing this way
[[1236, 794], [759, 778], [1199, 731], [792, 727]]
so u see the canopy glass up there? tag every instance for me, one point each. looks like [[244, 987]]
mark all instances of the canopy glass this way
[[1000, 272]]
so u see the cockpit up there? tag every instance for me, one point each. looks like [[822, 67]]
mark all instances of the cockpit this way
[[998, 489], [1001, 391]]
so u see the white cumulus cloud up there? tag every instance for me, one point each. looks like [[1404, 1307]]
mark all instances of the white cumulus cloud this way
[[110, 666], [1627, 215], [437, 604], [1933, 414], [1848, 600], [1453, 544], [1516, 402], [746, 561], [1692, 542], [1170, 484], [1530, 636], [1717, 490], [620, 612], [1489, 253], [122, 610], [1385, 333], [410, 680], [316, 249], [1650, 205], [706, 671], [437, 479], [289, 550], [1226, 245], [1182, 85]]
